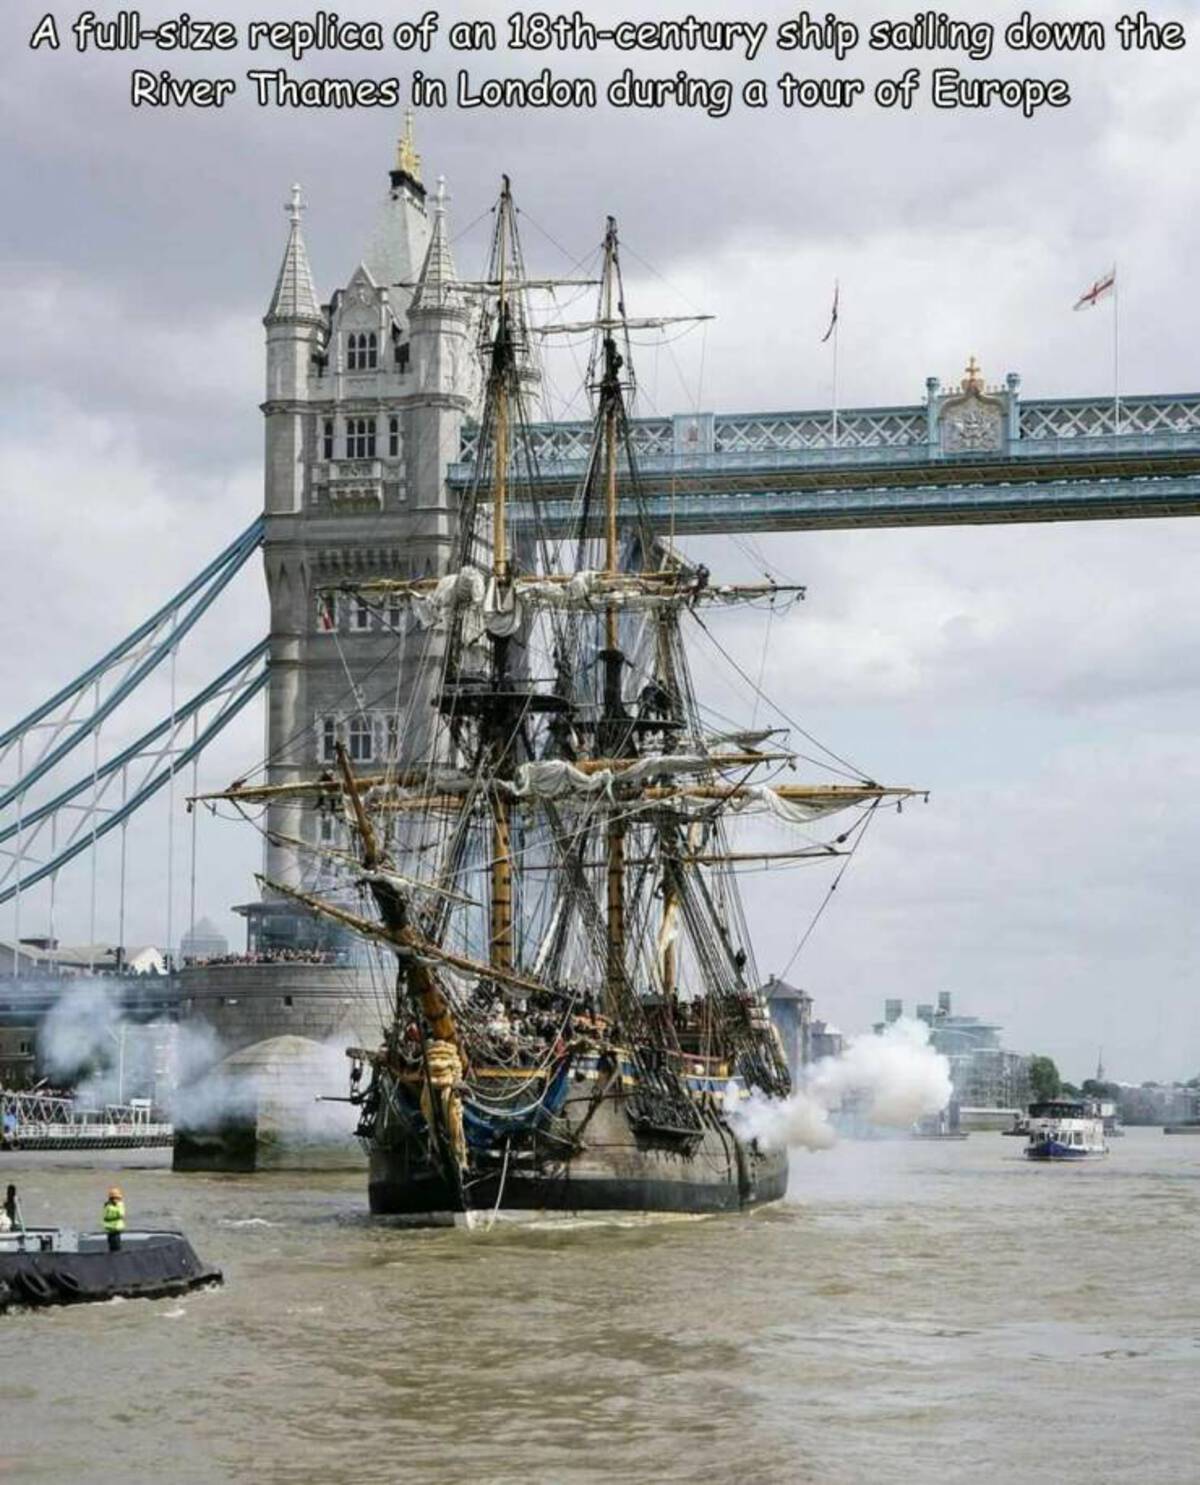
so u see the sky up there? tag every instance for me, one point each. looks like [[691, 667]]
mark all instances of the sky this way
[[1040, 681]]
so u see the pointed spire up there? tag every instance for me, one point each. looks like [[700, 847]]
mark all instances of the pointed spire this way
[[407, 158], [407, 170], [295, 296], [438, 273]]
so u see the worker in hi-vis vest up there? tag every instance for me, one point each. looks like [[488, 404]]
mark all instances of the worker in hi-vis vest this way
[[114, 1218]]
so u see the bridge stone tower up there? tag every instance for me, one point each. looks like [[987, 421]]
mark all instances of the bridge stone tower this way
[[366, 396]]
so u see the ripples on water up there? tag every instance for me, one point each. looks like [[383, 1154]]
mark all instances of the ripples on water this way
[[916, 1312]]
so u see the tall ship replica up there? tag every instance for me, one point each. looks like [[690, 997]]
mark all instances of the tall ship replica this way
[[576, 1022]]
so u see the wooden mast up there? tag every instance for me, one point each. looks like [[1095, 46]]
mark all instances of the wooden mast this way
[[500, 390], [501, 927], [668, 847], [422, 987], [613, 659]]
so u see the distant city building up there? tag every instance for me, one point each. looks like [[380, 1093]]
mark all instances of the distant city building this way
[[824, 1041], [791, 1015], [145, 959], [983, 1073], [18, 1056], [804, 1039], [46, 956], [204, 941], [28, 957], [1157, 1103]]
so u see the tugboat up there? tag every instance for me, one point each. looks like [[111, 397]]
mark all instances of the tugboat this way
[[1063, 1129], [42, 1266]]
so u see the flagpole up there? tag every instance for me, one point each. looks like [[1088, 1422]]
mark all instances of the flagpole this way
[[837, 328], [1116, 356]]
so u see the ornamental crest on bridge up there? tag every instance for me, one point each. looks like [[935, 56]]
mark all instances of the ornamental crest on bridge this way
[[974, 419]]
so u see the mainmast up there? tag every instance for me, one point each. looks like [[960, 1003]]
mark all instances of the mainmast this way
[[613, 745], [501, 360], [615, 737], [503, 365]]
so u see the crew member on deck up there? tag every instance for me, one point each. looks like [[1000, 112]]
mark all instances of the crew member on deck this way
[[12, 1208], [114, 1218]]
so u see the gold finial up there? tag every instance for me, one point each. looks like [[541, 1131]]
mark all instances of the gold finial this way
[[407, 158], [973, 381]]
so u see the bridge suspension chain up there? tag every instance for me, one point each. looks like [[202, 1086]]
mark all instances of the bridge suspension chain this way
[[77, 713], [161, 632]]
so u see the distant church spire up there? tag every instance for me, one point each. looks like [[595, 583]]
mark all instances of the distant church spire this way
[[1100, 1066], [295, 296]]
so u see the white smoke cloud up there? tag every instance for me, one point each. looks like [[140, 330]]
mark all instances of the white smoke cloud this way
[[87, 1044], [900, 1074], [204, 1094], [893, 1079], [289, 1090], [81, 1033]]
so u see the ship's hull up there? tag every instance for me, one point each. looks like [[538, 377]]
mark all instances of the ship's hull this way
[[1049, 1148], [614, 1167], [1054, 1151]]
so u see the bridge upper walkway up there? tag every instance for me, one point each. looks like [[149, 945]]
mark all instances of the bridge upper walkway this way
[[969, 453]]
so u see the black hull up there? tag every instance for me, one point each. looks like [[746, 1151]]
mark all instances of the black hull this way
[[615, 1168], [434, 1199], [151, 1267]]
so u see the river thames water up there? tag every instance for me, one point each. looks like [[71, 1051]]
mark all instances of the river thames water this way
[[916, 1312]]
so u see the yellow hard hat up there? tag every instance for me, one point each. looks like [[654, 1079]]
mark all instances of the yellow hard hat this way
[[115, 1194]]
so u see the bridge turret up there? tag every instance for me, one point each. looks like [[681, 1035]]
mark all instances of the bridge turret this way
[[440, 322], [366, 400], [294, 325]]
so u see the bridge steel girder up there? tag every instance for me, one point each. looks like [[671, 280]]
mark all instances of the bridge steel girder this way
[[968, 490], [226, 563], [233, 705]]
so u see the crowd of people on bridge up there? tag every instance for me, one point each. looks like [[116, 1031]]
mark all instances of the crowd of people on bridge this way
[[267, 956]]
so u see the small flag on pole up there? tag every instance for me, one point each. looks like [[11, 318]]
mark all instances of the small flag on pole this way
[[1099, 289], [833, 316]]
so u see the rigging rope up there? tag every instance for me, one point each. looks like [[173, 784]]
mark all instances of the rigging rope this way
[[861, 829]]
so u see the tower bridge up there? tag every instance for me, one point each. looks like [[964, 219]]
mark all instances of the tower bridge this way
[[368, 451], [968, 454]]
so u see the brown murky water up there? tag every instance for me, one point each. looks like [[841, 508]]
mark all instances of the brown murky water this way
[[917, 1312]]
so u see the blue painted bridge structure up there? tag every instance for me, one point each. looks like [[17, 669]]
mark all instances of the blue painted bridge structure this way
[[969, 453]]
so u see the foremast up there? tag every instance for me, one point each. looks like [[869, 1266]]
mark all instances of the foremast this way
[[503, 389], [614, 738]]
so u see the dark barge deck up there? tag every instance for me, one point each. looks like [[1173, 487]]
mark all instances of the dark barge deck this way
[[44, 1266]]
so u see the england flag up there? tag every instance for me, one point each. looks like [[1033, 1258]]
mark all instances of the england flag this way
[[1099, 289]]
